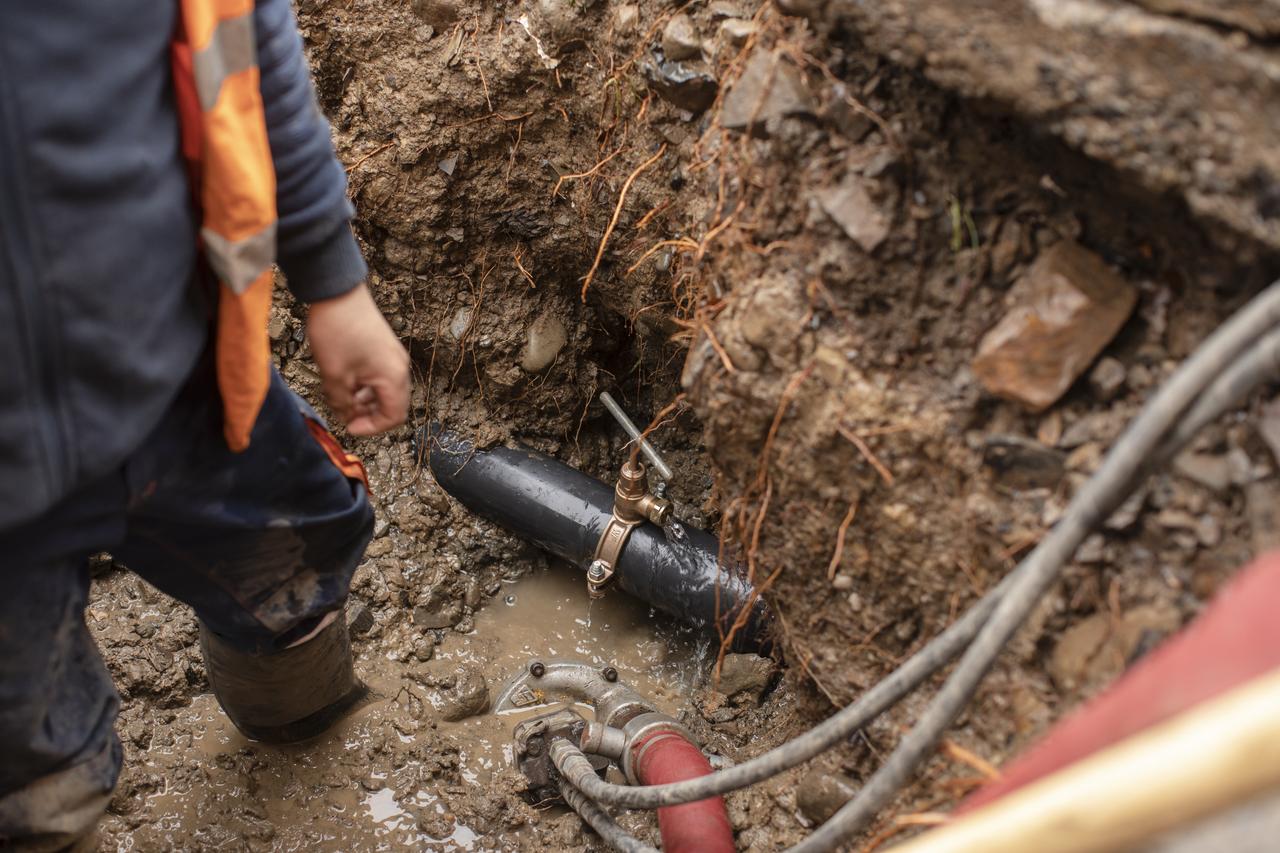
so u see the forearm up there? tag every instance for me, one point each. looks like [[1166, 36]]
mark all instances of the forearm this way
[[315, 247]]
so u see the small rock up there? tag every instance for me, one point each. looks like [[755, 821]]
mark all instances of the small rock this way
[[821, 794], [842, 582], [1103, 427], [1066, 308], [683, 87], [448, 165], [736, 31], [1092, 550], [1206, 529], [1095, 651], [746, 675], [680, 39], [721, 9], [1086, 458], [277, 327], [457, 235], [1212, 471], [460, 323], [1076, 647], [1107, 378], [444, 616], [1020, 463], [851, 207], [855, 602], [1049, 431], [770, 88], [359, 617], [1262, 505], [547, 336], [423, 649], [1126, 515], [627, 17], [468, 697]]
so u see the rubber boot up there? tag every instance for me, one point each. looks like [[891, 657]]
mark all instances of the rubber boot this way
[[286, 696]]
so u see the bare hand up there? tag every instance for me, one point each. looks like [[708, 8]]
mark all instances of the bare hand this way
[[364, 369]]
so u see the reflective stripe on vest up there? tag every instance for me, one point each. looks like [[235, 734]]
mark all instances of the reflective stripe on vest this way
[[224, 138]]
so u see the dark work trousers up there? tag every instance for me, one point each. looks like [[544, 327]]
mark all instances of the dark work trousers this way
[[262, 544]]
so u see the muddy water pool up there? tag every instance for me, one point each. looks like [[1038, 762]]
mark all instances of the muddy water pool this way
[[395, 774]]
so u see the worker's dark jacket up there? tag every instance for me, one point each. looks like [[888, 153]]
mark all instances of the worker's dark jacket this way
[[102, 315]]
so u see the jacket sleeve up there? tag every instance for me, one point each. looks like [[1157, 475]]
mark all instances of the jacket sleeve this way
[[315, 247]]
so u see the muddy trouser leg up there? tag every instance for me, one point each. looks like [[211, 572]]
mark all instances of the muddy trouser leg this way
[[59, 756], [262, 544]]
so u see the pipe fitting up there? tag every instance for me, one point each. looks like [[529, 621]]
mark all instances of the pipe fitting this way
[[640, 733], [599, 739], [633, 502]]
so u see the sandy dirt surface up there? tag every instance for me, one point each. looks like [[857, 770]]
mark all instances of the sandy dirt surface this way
[[806, 242]]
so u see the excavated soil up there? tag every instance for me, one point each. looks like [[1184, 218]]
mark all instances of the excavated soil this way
[[812, 243]]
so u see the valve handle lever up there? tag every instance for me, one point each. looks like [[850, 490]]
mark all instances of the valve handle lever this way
[[650, 452]]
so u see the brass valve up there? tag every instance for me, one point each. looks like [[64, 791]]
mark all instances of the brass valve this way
[[633, 504], [632, 500]]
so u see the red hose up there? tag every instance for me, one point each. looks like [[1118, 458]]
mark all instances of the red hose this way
[[701, 827]]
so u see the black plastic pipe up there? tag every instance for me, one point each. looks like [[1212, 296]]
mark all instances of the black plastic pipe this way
[[563, 511]]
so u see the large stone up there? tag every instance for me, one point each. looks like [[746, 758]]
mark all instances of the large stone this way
[[1065, 310], [769, 89]]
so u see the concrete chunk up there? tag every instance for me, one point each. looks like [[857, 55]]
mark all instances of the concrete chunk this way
[[1065, 309]]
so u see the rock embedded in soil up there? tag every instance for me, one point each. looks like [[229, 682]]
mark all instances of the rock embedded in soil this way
[[678, 84], [468, 696], [1065, 309], [627, 17], [1213, 471], [1107, 379], [769, 89], [850, 205], [680, 39], [1094, 651], [745, 675], [443, 616], [1020, 463], [821, 794], [359, 617], [547, 336]]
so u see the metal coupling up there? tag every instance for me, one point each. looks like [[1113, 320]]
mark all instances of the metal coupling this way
[[637, 730], [599, 739]]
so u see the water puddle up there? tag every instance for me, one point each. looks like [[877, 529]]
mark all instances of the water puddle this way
[[383, 780]]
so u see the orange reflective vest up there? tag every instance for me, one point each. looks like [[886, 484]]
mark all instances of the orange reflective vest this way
[[224, 141]]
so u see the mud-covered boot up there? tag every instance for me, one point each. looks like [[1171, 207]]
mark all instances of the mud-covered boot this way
[[285, 696]]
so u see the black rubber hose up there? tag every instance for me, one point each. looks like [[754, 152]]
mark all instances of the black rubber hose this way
[[564, 511]]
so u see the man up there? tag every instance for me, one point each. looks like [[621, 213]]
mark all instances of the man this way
[[138, 410]]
